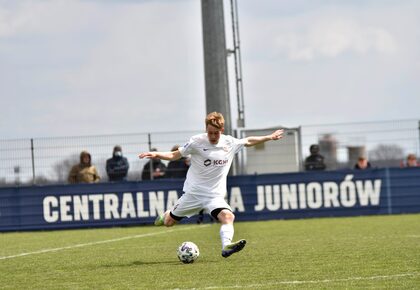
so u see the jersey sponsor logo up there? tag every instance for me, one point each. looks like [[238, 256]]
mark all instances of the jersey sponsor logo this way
[[217, 162], [220, 162]]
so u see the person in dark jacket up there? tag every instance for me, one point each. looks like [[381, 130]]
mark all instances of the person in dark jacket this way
[[362, 163], [177, 168], [315, 161], [158, 171], [117, 166]]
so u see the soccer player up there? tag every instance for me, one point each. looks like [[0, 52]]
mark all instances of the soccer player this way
[[211, 154]]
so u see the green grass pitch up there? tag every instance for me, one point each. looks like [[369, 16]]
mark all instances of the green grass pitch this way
[[380, 252]]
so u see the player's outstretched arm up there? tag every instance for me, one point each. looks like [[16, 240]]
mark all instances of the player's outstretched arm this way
[[254, 140], [173, 155]]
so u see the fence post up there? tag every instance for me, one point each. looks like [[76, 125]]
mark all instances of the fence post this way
[[388, 189], [241, 164], [235, 169], [149, 136], [300, 153], [419, 140], [33, 161]]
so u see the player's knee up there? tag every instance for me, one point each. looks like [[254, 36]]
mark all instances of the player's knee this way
[[226, 217]]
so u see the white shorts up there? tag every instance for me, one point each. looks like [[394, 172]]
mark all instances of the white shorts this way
[[191, 204]]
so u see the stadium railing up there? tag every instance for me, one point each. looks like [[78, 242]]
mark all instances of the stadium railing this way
[[48, 160]]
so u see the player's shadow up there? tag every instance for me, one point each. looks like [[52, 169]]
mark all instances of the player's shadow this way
[[140, 263]]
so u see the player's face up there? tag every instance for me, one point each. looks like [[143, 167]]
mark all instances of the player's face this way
[[213, 134]]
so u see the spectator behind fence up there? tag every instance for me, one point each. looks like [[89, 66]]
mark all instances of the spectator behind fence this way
[[315, 161], [84, 172], [411, 161], [159, 169], [362, 163], [117, 166], [177, 168]]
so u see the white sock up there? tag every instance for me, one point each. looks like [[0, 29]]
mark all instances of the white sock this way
[[226, 234]]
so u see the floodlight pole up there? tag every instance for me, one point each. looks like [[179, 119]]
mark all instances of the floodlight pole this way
[[238, 64], [215, 60]]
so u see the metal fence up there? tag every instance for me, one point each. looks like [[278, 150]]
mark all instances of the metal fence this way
[[48, 160], [384, 143]]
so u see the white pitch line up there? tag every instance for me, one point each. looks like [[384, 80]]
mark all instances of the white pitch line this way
[[297, 282], [95, 243]]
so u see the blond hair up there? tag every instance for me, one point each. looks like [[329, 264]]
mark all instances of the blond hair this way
[[216, 120]]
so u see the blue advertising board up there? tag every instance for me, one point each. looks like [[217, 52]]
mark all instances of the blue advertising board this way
[[252, 197]]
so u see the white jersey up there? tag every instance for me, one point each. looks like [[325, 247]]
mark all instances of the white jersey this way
[[210, 164]]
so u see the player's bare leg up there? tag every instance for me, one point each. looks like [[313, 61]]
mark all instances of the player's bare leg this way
[[226, 218]]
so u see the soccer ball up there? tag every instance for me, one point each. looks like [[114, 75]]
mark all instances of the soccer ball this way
[[188, 252]]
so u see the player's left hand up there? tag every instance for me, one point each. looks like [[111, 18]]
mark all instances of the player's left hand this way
[[276, 135]]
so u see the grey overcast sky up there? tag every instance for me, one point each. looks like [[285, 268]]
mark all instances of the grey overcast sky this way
[[79, 67]]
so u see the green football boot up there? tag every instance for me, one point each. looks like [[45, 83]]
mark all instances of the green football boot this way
[[159, 221]]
